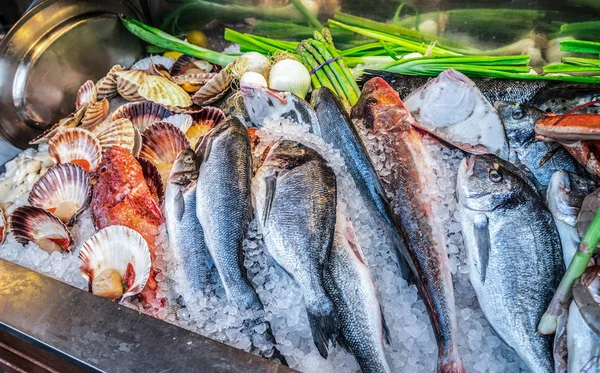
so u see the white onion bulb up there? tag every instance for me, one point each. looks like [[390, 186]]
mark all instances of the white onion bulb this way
[[256, 62], [253, 78], [290, 75]]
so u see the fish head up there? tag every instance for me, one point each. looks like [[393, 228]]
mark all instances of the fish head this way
[[185, 168], [287, 154], [260, 102], [518, 120], [565, 194], [118, 167], [486, 182], [381, 109]]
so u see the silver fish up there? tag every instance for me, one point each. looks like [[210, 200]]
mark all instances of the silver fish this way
[[349, 283], [186, 237], [263, 104], [583, 344], [564, 197], [295, 200], [542, 159], [452, 108], [514, 253], [223, 207]]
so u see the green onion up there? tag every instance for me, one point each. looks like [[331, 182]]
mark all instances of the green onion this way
[[583, 30], [307, 14], [161, 39], [580, 46], [578, 265]]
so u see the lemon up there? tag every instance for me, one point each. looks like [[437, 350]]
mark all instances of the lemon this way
[[174, 55], [198, 38]]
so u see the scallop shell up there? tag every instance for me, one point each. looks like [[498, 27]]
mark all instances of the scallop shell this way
[[182, 63], [137, 144], [69, 122], [161, 143], [159, 70], [146, 63], [153, 179], [204, 121], [163, 91], [37, 225], [106, 87], [78, 146], [192, 82], [214, 89], [141, 114], [118, 133], [128, 83], [64, 190], [2, 226], [86, 95], [95, 114], [117, 248], [181, 121]]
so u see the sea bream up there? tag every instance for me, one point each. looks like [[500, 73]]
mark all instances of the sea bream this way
[[452, 108], [513, 251], [542, 159], [349, 283], [406, 170], [186, 237], [264, 104], [547, 95], [295, 198]]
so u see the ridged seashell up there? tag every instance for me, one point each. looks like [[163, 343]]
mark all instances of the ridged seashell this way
[[192, 82], [204, 121], [159, 70], [106, 87], [141, 114], [181, 121], [64, 190], [2, 226], [69, 122], [214, 89], [161, 143], [95, 114], [37, 225], [86, 94], [128, 83], [163, 91], [146, 63], [118, 133], [115, 250], [137, 144], [182, 63], [78, 146], [153, 179]]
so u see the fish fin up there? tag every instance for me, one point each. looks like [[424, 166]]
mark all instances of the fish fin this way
[[555, 149], [482, 240], [384, 328], [271, 182], [179, 204], [342, 342], [323, 328], [147, 207], [401, 252]]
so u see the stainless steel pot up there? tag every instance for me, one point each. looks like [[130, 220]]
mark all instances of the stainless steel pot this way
[[54, 48]]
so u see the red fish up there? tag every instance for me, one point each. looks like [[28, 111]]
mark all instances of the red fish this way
[[122, 197]]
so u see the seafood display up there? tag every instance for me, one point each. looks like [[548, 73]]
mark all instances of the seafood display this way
[[271, 202]]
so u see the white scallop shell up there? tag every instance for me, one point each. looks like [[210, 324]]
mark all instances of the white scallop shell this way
[[3, 227], [128, 83], [181, 121], [146, 63], [163, 91], [86, 95], [77, 146], [28, 223], [114, 248]]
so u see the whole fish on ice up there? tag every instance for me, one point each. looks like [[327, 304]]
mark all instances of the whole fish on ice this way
[[405, 169], [295, 199], [514, 253]]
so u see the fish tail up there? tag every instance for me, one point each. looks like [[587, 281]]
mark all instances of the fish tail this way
[[323, 328], [452, 364]]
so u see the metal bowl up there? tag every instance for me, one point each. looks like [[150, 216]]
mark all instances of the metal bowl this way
[[53, 49]]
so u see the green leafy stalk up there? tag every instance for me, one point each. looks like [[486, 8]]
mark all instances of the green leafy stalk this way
[[580, 61], [583, 30], [580, 46], [337, 70], [563, 68], [326, 68], [259, 44], [578, 265], [314, 22], [161, 39]]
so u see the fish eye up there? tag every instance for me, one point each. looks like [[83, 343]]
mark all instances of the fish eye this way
[[188, 159], [495, 176], [103, 169], [518, 113], [372, 101]]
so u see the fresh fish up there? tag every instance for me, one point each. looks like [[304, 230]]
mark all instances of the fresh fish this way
[[295, 200], [405, 169], [264, 104], [452, 108], [564, 197], [552, 96], [542, 159], [583, 344], [121, 197], [514, 253], [349, 283], [337, 129], [223, 207], [186, 237]]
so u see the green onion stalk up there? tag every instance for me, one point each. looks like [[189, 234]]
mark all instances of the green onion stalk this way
[[312, 20], [580, 46], [578, 265], [161, 39], [292, 31], [258, 43], [589, 30]]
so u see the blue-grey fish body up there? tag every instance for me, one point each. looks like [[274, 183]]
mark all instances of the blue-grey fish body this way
[[514, 254], [583, 344]]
